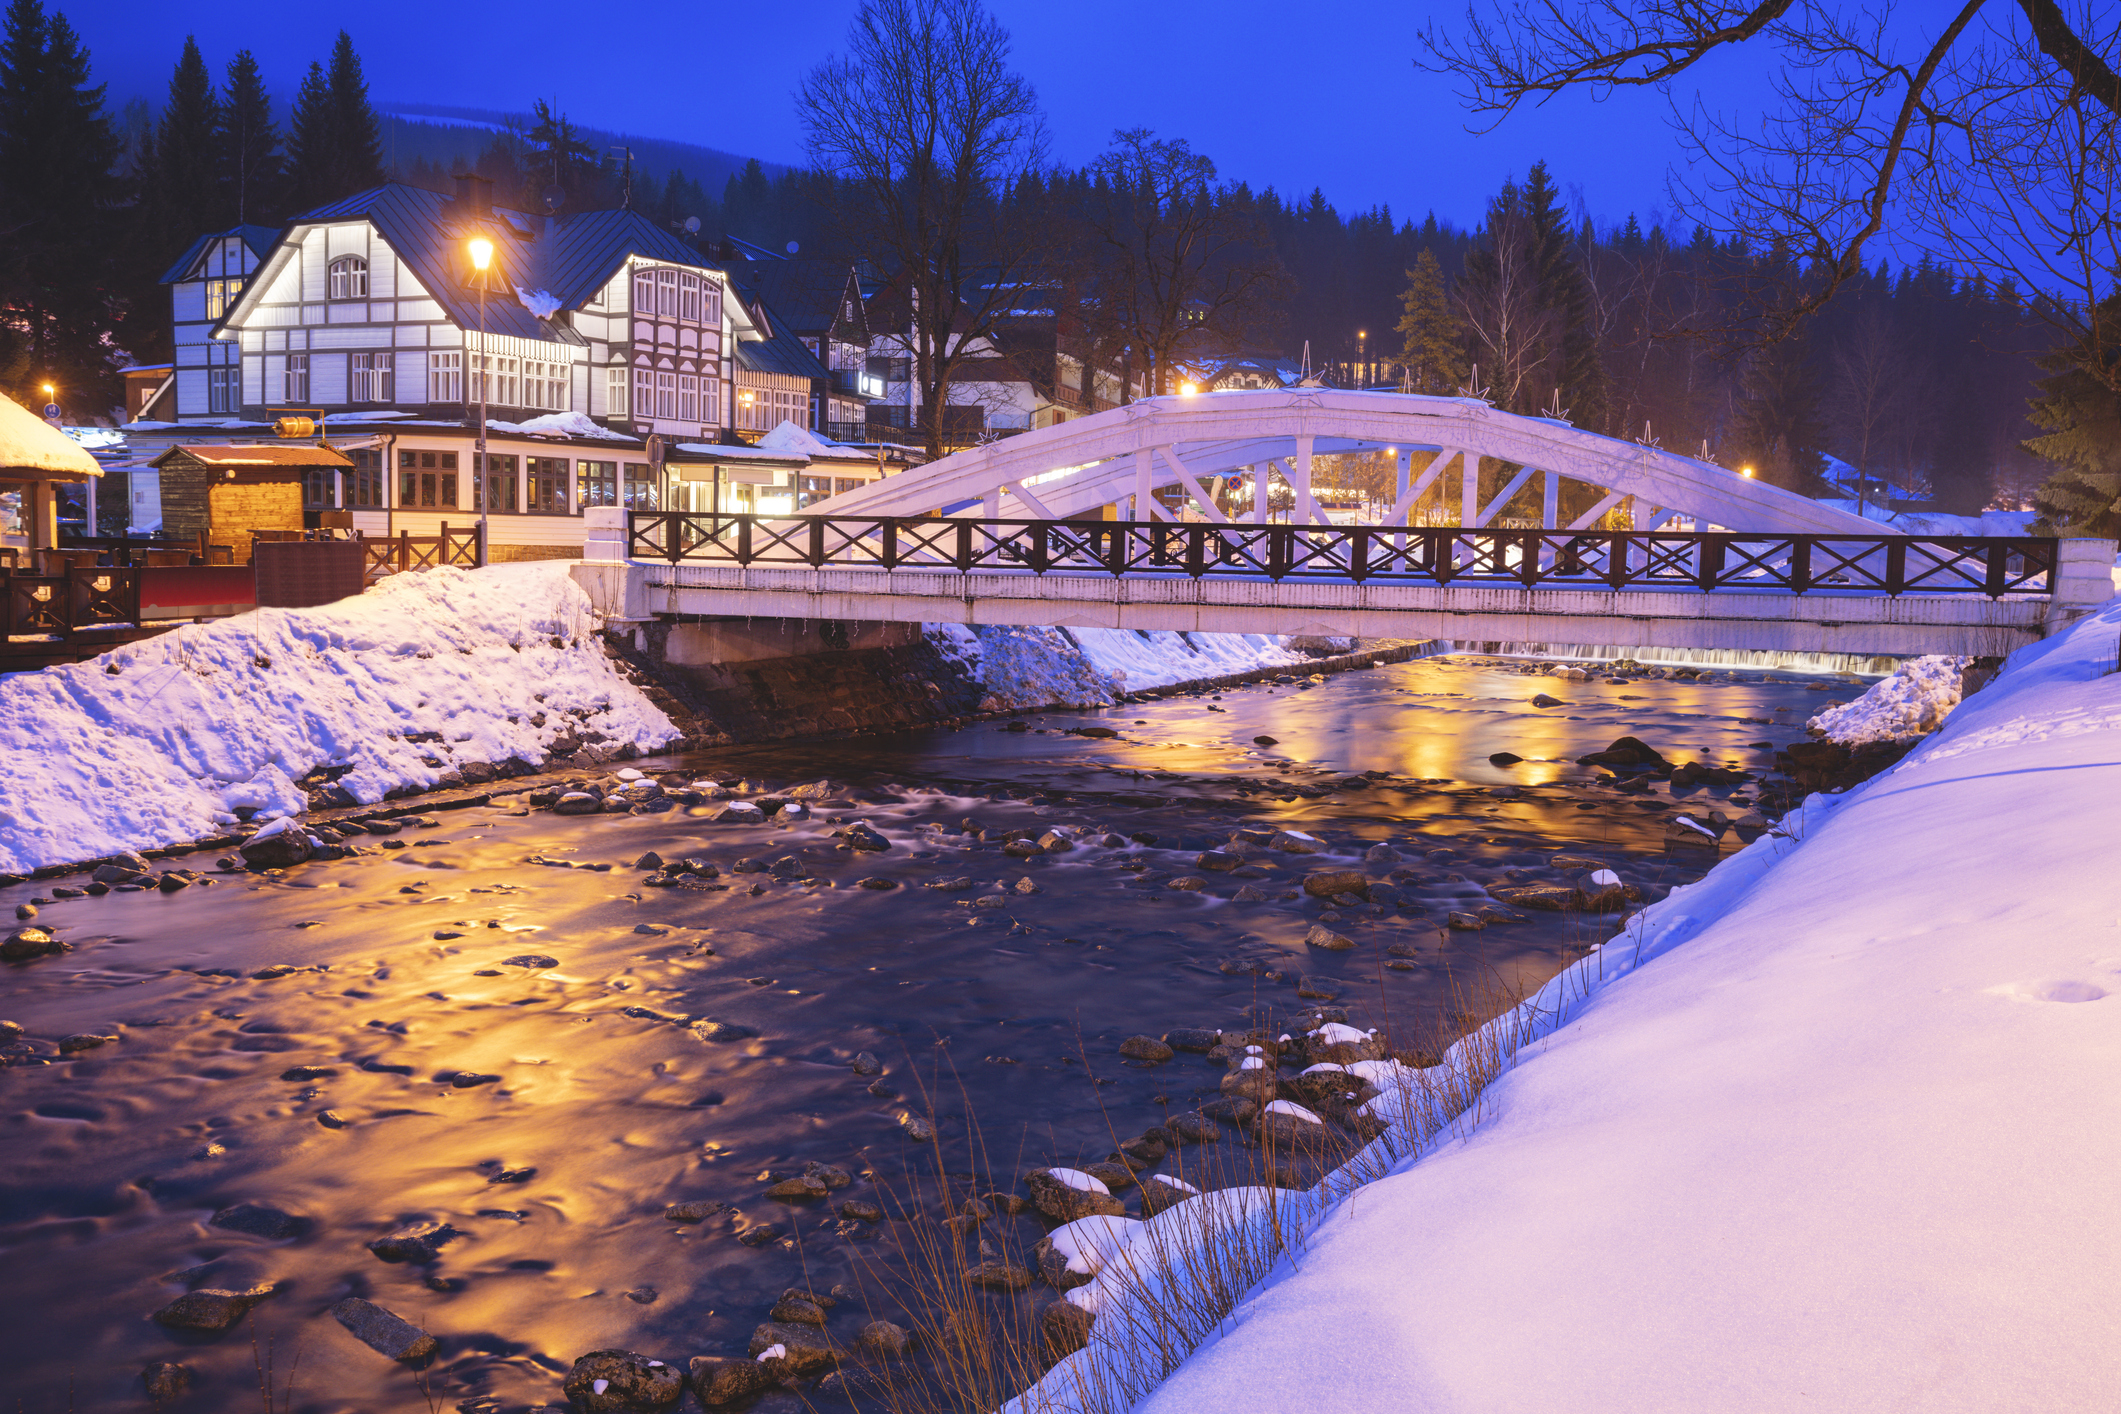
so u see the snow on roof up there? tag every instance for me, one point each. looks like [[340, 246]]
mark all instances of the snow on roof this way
[[259, 454], [28, 443], [790, 438], [563, 424]]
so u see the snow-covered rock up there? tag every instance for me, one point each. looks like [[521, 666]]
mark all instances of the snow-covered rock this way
[[1913, 702], [162, 741]]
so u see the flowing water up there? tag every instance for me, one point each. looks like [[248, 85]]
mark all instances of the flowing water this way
[[603, 1105]]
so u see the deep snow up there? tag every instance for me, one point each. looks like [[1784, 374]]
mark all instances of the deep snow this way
[[1834, 1128], [1912, 702], [1022, 668], [211, 717]]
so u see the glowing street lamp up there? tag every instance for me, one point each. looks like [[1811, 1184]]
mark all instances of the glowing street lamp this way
[[1187, 390], [1746, 472], [481, 251]]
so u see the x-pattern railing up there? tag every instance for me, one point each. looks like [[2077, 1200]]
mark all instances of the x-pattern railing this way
[[1699, 561]]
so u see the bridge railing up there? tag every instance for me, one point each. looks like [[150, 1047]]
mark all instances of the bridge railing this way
[[1695, 561]]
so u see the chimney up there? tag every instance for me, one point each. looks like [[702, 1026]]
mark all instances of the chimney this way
[[474, 194]]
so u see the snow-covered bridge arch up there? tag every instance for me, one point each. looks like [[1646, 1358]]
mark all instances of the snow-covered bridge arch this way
[[1123, 455]]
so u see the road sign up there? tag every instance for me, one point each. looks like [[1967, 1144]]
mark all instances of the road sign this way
[[51, 412]]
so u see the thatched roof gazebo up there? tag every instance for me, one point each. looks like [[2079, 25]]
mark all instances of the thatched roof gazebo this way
[[34, 457]]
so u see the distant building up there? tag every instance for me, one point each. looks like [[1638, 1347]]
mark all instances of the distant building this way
[[614, 364]]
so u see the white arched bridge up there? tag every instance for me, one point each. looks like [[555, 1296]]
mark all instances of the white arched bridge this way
[[1064, 526]]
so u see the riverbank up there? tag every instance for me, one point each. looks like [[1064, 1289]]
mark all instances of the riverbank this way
[[1832, 1128]]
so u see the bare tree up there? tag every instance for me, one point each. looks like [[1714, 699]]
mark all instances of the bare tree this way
[[929, 133], [1183, 262], [1869, 375], [1513, 329], [1989, 140]]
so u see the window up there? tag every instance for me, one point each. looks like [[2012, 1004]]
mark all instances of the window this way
[[689, 298], [640, 487], [644, 292], [615, 380], [221, 384], [427, 480], [499, 483], [643, 393], [545, 385], [220, 294], [812, 488], [710, 400], [505, 387], [714, 302], [364, 485], [599, 483], [666, 395], [666, 293], [688, 398], [548, 485], [320, 489], [445, 378], [374, 377], [349, 278], [294, 383]]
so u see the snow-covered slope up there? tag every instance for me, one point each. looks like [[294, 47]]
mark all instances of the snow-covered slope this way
[[160, 741], [1023, 668], [1835, 1128], [1912, 702]]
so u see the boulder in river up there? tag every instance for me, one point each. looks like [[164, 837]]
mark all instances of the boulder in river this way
[[26, 943], [1065, 1328], [260, 1220], [1067, 1194], [1504, 758], [1540, 699], [805, 1350], [726, 1379], [1331, 883], [383, 1331], [621, 1382], [885, 1339], [1541, 898], [1325, 938], [1296, 842], [1194, 1039], [277, 846], [165, 1382], [211, 1309], [419, 1242], [1627, 751], [1145, 1048]]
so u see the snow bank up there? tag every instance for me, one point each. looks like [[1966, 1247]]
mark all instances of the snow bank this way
[[1023, 668], [1834, 1128], [1913, 702], [161, 741]]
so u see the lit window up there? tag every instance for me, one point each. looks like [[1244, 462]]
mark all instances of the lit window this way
[[349, 278]]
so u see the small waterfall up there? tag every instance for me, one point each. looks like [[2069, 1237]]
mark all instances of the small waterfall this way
[[1759, 660]]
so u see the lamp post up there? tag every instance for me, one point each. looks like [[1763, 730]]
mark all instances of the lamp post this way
[[481, 257]]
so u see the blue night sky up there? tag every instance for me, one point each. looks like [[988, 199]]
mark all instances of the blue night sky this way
[[1322, 95]]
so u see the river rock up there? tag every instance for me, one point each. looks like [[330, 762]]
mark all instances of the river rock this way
[[530, 959], [1246, 893], [1504, 758], [620, 1381], [1327, 940], [1231, 1109], [260, 1220], [1293, 1127], [1193, 1039], [277, 846], [382, 1331], [1541, 898], [1296, 842], [694, 1211], [1111, 1174], [415, 1242], [1331, 883], [211, 1309], [801, 1311], [998, 1276], [1687, 835], [1065, 1202], [1627, 751], [1194, 1128], [808, 1350], [1145, 1048], [1161, 1191], [723, 1032], [862, 837], [860, 1211], [797, 1190], [1464, 922], [165, 1382], [1065, 1328], [1257, 1084], [833, 1178], [726, 1379], [26, 943], [885, 1339], [1217, 861], [1540, 699]]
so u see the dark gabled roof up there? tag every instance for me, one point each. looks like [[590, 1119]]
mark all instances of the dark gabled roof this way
[[259, 238], [568, 257], [806, 294], [783, 353]]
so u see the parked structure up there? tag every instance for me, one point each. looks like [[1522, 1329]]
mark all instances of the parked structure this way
[[221, 495], [35, 458]]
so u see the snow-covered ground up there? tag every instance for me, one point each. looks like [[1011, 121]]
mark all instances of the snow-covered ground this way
[[1835, 1128], [161, 741], [1022, 668]]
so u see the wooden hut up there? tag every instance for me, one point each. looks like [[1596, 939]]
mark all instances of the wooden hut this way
[[221, 495], [34, 457]]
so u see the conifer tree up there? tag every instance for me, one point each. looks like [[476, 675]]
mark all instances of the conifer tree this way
[[1577, 377], [335, 140], [58, 188], [2081, 419], [248, 144], [360, 132], [312, 142], [1435, 349], [183, 199]]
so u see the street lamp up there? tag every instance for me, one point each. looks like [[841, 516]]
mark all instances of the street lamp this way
[[482, 256], [1362, 353], [1746, 472]]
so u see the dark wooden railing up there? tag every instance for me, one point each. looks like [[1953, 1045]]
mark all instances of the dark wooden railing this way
[[1563, 559], [405, 551]]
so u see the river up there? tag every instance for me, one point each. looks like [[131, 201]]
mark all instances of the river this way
[[1001, 1022]]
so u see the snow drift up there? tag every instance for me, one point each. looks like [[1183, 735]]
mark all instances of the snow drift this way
[[1911, 703], [162, 741], [1024, 668], [1830, 1128]]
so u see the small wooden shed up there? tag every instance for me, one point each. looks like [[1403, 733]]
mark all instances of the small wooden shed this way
[[34, 457], [226, 492]]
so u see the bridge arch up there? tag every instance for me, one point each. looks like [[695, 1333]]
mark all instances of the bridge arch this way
[[1123, 455]]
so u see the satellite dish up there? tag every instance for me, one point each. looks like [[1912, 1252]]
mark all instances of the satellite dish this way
[[793, 247], [555, 197], [692, 225]]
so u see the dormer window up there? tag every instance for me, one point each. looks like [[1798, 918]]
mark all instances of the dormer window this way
[[349, 277]]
